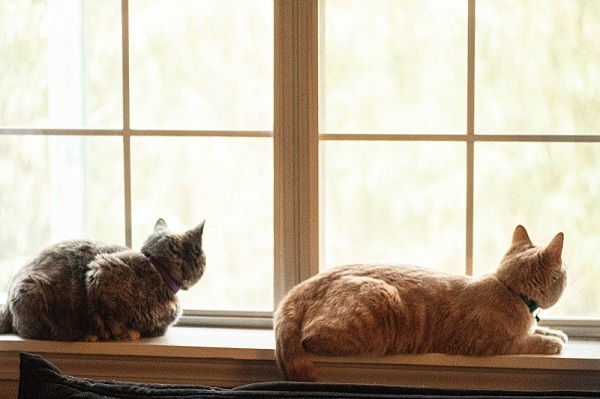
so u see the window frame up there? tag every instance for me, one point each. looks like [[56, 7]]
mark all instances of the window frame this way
[[296, 142], [575, 327]]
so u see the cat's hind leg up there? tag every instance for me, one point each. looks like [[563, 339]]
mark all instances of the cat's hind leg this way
[[38, 313], [109, 303], [358, 319]]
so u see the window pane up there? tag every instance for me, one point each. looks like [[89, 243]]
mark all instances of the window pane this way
[[537, 68], [393, 201], [228, 182], [56, 188], [60, 64], [548, 188], [202, 64], [393, 66]]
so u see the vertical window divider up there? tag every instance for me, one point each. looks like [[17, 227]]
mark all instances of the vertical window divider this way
[[126, 121], [470, 141], [295, 144]]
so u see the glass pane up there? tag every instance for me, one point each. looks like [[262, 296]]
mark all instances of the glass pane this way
[[202, 64], [393, 66], [393, 201], [547, 188], [60, 64], [228, 182], [57, 188], [537, 68]]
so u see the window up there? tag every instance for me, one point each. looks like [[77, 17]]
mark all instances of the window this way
[[193, 141], [408, 193], [445, 124], [307, 133]]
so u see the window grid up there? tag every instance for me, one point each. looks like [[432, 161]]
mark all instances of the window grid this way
[[296, 183], [575, 327], [469, 138], [126, 132]]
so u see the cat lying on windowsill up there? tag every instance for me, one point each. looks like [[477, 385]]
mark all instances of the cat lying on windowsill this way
[[83, 290], [377, 309]]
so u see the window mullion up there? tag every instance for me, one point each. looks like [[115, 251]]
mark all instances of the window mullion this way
[[126, 121], [295, 141], [470, 144]]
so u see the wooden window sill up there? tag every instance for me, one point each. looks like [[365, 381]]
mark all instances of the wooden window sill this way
[[235, 356]]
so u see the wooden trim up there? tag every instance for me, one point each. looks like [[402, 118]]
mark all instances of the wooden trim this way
[[295, 149], [233, 357], [126, 123], [470, 145]]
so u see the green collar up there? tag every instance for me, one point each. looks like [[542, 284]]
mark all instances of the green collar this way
[[532, 305]]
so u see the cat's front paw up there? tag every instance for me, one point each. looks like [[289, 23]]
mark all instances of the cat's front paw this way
[[552, 333], [542, 344], [554, 345], [90, 338], [128, 335]]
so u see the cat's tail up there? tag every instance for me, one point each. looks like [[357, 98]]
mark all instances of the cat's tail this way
[[6, 326], [292, 359]]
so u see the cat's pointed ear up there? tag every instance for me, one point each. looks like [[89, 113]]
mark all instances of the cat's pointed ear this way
[[554, 249], [160, 225], [199, 230], [520, 235]]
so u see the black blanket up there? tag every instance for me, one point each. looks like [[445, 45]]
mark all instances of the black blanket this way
[[41, 379]]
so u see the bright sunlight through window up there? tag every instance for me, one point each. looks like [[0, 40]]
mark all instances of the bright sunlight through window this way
[[442, 124]]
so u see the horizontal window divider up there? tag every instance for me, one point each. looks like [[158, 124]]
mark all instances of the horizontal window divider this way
[[135, 132], [561, 138], [59, 132], [202, 133]]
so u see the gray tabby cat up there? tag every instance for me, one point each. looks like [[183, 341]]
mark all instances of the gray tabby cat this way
[[86, 290]]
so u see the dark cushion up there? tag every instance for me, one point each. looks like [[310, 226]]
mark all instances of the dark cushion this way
[[41, 379]]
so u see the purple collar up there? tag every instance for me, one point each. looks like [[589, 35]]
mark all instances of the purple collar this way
[[166, 276]]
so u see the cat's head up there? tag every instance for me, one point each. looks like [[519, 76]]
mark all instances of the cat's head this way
[[181, 254], [535, 272]]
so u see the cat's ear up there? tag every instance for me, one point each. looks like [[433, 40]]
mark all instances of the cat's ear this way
[[199, 230], [554, 250], [160, 225], [520, 235]]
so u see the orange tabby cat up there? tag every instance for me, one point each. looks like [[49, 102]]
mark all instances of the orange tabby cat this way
[[376, 309]]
